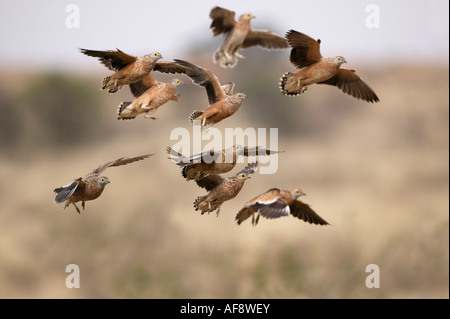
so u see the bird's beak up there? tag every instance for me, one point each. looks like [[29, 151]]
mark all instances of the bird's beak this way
[[302, 194]]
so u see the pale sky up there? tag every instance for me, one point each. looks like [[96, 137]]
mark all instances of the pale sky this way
[[35, 33]]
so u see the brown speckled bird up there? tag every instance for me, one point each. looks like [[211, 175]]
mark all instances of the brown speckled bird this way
[[239, 35], [277, 203], [129, 69], [148, 102], [305, 55], [198, 166], [222, 189], [222, 102], [90, 186]]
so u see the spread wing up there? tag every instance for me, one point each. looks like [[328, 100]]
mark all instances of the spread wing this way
[[181, 160], [119, 162], [113, 60], [349, 82], [222, 20], [305, 50], [265, 39], [169, 67], [228, 88], [304, 212], [210, 182], [205, 78], [139, 87], [257, 151]]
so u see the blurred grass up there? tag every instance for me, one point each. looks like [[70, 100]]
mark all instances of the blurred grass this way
[[377, 172]]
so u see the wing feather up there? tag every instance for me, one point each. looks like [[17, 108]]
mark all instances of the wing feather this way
[[305, 50], [112, 59], [349, 82], [304, 211]]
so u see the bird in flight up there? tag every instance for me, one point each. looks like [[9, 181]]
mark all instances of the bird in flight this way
[[313, 68], [222, 189], [156, 95], [222, 102], [90, 186], [276, 203], [129, 69], [199, 166], [239, 35]]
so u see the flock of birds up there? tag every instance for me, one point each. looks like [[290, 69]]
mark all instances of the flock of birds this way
[[205, 168]]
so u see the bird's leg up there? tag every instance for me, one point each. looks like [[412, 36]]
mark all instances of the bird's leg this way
[[228, 56], [299, 85], [76, 207], [218, 211], [82, 204], [148, 116], [240, 56]]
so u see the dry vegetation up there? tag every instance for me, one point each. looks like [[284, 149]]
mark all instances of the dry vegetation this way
[[378, 173]]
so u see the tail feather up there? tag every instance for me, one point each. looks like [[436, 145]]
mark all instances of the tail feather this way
[[121, 108], [105, 82], [224, 60], [194, 116], [198, 201], [285, 83]]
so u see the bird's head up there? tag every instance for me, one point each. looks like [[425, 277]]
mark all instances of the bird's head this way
[[296, 193], [102, 181], [242, 176], [154, 56], [238, 149], [247, 16], [176, 82], [339, 60], [239, 96]]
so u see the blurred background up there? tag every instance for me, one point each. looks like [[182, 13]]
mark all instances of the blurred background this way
[[378, 173]]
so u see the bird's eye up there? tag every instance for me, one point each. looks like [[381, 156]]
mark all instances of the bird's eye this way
[[242, 175], [297, 192]]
